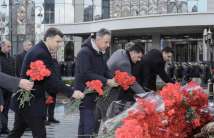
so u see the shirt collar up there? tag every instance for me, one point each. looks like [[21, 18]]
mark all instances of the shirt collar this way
[[95, 47]]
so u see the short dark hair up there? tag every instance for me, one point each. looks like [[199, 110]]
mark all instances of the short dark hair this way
[[52, 32], [103, 32], [137, 47], [168, 50]]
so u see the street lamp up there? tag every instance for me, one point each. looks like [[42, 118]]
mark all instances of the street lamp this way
[[38, 23], [40, 11], [4, 5]]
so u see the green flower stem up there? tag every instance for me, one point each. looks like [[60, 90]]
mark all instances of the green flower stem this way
[[24, 97]]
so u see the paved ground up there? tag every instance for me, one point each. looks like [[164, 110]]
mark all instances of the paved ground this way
[[66, 129]]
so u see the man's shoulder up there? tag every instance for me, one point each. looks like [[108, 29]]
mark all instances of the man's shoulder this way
[[36, 51], [85, 50], [121, 51]]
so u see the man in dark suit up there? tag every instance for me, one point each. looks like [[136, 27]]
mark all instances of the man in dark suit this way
[[153, 64], [91, 65], [7, 66], [20, 57], [33, 115], [50, 107]]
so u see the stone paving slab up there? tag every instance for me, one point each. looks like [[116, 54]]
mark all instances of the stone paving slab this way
[[67, 128]]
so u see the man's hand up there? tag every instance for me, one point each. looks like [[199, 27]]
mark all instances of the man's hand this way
[[1, 108], [112, 83], [26, 84], [78, 94]]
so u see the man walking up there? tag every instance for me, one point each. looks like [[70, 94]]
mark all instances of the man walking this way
[[33, 115], [91, 65]]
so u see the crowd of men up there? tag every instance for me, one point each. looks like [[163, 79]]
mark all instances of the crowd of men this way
[[92, 63]]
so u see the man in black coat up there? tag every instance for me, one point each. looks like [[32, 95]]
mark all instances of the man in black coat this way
[[33, 115], [20, 57], [50, 107], [91, 65], [7, 66], [153, 64]]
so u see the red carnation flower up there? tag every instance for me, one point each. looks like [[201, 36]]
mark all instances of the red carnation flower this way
[[124, 79], [38, 71], [95, 85]]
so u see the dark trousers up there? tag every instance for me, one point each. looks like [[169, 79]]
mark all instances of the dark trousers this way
[[22, 121], [86, 123], [51, 107], [7, 97]]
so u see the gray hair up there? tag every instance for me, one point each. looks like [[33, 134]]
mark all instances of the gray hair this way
[[2, 43], [103, 32]]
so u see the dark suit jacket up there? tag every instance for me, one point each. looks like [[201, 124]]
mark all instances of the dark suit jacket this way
[[90, 65], [5, 82], [153, 65], [50, 84]]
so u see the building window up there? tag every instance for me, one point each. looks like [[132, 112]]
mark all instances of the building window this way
[[49, 8]]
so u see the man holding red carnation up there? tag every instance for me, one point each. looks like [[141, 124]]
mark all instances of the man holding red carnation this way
[[91, 65], [122, 60], [33, 115]]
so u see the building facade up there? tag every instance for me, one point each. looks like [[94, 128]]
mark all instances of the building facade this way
[[157, 23], [17, 22]]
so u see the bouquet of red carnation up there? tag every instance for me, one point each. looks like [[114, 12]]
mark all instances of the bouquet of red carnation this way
[[37, 72], [124, 79], [94, 86], [49, 100]]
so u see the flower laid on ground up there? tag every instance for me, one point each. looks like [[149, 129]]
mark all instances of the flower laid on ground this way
[[49, 100], [37, 72], [94, 86], [185, 111]]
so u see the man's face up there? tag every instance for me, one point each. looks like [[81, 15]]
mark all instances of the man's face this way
[[27, 46], [54, 42], [6, 48], [135, 56], [103, 42], [167, 57]]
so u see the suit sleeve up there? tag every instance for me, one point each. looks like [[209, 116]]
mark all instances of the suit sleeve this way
[[124, 66], [162, 73], [9, 86]]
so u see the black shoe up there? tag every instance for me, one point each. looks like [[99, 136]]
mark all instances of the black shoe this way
[[5, 131], [53, 121], [47, 123]]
